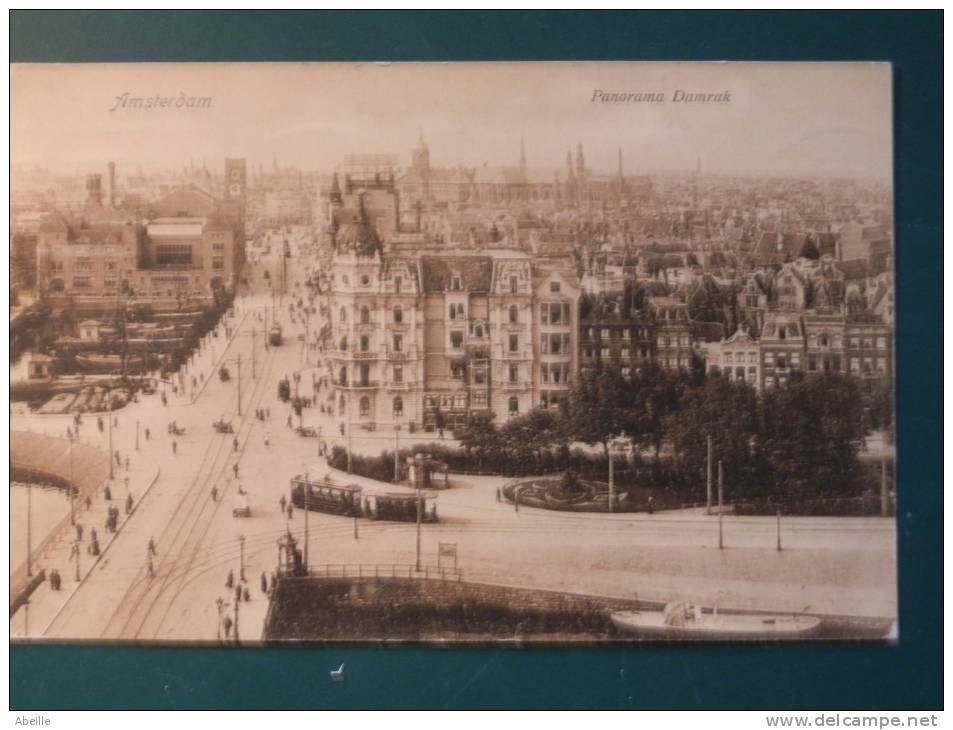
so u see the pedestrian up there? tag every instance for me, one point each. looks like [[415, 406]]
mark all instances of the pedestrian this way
[[99, 423], [175, 446], [147, 434], [283, 502], [152, 546], [214, 494], [235, 444], [227, 625], [89, 502], [267, 442], [92, 534], [238, 592], [128, 504], [235, 469], [246, 594], [127, 463], [230, 580], [264, 583], [497, 494], [290, 510], [150, 569], [165, 401], [79, 533], [53, 586], [289, 421], [118, 460], [94, 548]]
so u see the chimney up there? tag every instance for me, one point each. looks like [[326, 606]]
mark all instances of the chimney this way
[[112, 184]]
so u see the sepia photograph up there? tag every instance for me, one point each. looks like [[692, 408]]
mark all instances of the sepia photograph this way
[[553, 353]]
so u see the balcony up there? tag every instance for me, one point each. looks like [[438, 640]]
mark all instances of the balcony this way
[[519, 385], [396, 356], [365, 384], [398, 386], [365, 355]]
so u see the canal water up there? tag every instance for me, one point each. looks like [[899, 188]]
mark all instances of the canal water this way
[[50, 506]]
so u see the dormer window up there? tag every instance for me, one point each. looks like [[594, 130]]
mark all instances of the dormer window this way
[[554, 286], [365, 280]]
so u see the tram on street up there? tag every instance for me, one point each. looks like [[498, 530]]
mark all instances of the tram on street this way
[[324, 496], [400, 506]]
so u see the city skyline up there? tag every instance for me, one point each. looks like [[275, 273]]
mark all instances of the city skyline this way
[[817, 120]]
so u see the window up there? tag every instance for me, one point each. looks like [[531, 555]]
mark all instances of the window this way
[[881, 365], [365, 373], [555, 313], [365, 406], [110, 265], [605, 332], [727, 359], [626, 372], [342, 406], [218, 263], [855, 364], [514, 284], [365, 315], [456, 339], [769, 358], [823, 340], [82, 282], [752, 357], [398, 343], [83, 265], [782, 362], [626, 334], [782, 333], [554, 286], [478, 399], [456, 284], [343, 344], [478, 331], [174, 254], [544, 344], [605, 352], [881, 343], [365, 280], [514, 315], [398, 407], [342, 379], [769, 382], [514, 343], [218, 247], [398, 314], [343, 314], [457, 370], [479, 376], [625, 352], [365, 343], [514, 405], [398, 373], [544, 314], [453, 311], [397, 283], [515, 373], [795, 359], [811, 364]]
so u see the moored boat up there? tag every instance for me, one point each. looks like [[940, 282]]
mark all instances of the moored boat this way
[[681, 621]]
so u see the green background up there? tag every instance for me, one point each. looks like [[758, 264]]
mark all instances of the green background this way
[[829, 676]]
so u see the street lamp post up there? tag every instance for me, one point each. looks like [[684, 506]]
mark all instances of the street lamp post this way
[[241, 560], [72, 511]]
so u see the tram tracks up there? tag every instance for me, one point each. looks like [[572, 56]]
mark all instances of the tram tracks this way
[[182, 535]]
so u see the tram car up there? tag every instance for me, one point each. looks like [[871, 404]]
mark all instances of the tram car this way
[[274, 336], [323, 496], [284, 389], [400, 507]]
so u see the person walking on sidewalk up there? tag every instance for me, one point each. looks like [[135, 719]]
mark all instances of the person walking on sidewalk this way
[[214, 494], [235, 444], [152, 546], [283, 502], [175, 446], [128, 504], [150, 570], [235, 469]]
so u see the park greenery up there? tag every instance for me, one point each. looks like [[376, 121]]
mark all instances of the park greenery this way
[[792, 446]]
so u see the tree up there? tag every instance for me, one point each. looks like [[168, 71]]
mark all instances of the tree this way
[[810, 433], [525, 437], [728, 413], [597, 407], [480, 437]]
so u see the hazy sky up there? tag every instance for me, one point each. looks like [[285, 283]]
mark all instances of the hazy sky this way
[[799, 119]]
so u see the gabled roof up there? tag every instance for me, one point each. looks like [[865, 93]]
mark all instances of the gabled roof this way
[[438, 272]]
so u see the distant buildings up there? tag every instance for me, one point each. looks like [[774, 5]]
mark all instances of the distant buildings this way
[[185, 245]]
